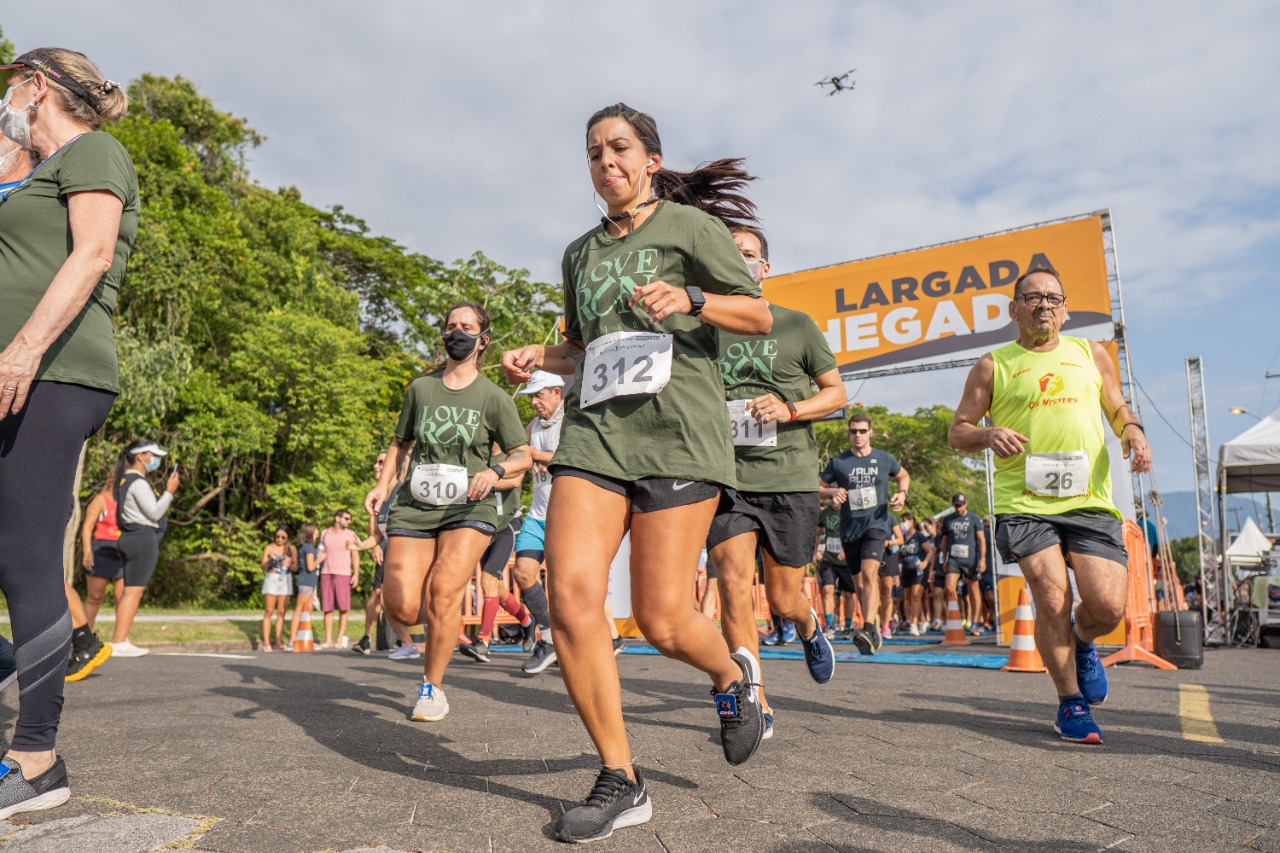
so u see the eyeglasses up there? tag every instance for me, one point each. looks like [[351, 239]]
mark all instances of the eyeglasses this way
[[1035, 300], [859, 431]]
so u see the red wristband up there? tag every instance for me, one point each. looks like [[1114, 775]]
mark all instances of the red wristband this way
[[791, 407]]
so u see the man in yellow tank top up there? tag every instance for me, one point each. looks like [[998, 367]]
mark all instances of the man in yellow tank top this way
[[1053, 484]]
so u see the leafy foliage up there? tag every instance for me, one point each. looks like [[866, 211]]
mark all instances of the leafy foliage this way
[[266, 342]]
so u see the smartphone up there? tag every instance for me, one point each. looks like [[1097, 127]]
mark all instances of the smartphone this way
[[175, 469]]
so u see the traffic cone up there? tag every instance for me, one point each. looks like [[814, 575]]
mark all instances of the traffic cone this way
[[1023, 655], [304, 641], [955, 628]]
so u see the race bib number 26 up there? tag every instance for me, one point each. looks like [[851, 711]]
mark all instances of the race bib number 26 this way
[[746, 430], [1058, 475], [624, 364]]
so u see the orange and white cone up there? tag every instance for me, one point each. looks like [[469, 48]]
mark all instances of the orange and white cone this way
[[955, 628], [304, 640], [1023, 655]]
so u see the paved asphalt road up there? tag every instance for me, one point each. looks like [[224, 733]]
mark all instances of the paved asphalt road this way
[[283, 752]]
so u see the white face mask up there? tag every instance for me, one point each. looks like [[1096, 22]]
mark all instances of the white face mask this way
[[15, 124], [7, 160], [753, 268]]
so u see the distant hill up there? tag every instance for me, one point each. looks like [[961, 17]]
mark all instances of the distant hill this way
[[1180, 511]]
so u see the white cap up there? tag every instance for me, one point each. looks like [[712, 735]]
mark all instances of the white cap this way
[[150, 447], [541, 379]]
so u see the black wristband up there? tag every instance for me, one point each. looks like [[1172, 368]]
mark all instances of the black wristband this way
[[498, 469], [1132, 423]]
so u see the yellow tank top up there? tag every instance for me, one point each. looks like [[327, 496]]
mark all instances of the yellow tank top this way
[[1053, 399]]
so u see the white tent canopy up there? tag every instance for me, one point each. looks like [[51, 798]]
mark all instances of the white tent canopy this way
[[1250, 462], [1249, 545]]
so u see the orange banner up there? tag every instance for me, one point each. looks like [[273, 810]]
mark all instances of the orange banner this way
[[930, 304]]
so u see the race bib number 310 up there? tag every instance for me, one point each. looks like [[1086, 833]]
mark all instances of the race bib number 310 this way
[[1058, 475], [439, 485], [624, 364], [746, 430]]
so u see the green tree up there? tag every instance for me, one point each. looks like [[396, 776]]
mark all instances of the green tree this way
[[266, 342]]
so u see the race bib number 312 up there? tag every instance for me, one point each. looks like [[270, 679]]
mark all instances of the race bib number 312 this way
[[624, 364], [1058, 475], [746, 430], [439, 485]]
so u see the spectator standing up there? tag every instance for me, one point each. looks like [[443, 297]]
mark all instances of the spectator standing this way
[[99, 542], [338, 575], [308, 563], [141, 516], [279, 560]]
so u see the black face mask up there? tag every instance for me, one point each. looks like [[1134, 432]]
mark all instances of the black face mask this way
[[459, 344]]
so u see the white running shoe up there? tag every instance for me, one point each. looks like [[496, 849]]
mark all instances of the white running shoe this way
[[432, 705], [914, 630], [345, 641], [127, 650], [405, 652]]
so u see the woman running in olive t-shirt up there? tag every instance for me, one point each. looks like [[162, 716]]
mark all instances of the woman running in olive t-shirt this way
[[645, 445]]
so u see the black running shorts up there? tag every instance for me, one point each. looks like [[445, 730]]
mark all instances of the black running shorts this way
[[967, 572], [889, 565], [784, 521], [910, 573], [1089, 532], [106, 560], [494, 560], [869, 547], [837, 575], [648, 495], [378, 573]]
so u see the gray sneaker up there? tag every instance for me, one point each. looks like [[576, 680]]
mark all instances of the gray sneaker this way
[[477, 650], [432, 705], [741, 718], [613, 803], [544, 654], [18, 794]]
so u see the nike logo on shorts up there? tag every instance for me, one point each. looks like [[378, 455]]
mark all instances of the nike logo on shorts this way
[[676, 485]]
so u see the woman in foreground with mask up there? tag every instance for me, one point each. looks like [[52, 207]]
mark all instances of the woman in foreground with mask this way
[[140, 515], [66, 231], [445, 514]]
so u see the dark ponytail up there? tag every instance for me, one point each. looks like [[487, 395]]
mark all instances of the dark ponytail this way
[[714, 188], [126, 459]]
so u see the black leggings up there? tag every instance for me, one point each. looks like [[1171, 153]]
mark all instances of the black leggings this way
[[39, 450]]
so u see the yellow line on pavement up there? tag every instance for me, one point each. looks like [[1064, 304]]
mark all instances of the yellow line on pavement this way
[[1197, 721]]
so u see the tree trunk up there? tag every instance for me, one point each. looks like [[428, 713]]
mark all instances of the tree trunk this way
[[71, 536]]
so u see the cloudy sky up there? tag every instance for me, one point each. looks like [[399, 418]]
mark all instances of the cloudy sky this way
[[458, 126]]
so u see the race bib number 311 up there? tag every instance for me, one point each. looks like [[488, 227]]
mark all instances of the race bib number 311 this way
[[624, 364], [1058, 475], [746, 430], [439, 485]]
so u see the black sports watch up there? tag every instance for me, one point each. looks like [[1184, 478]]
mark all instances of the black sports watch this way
[[696, 300], [498, 469]]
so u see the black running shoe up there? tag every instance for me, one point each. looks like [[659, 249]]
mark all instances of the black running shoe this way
[[613, 803], [18, 794], [363, 647], [86, 656], [862, 640], [741, 718], [544, 654], [528, 636], [877, 638], [476, 650], [618, 645]]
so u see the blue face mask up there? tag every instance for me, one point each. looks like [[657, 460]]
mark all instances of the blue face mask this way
[[153, 464]]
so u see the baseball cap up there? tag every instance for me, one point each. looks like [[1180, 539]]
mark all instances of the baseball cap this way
[[540, 380], [958, 499]]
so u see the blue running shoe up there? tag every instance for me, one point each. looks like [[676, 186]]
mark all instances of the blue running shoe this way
[[771, 638], [1075, 723], [788, 633], [768, 725], [1090, 673], [818, 654]]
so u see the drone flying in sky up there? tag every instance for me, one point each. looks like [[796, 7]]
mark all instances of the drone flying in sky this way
[[842, 83]]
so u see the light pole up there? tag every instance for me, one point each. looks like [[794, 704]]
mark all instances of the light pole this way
[[1271, 518]]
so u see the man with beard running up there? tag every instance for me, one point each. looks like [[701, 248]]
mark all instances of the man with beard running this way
[[1053, 484], [769, 382], [857, 481]]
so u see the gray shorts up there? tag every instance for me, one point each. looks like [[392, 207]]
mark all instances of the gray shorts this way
[[1089, 532]]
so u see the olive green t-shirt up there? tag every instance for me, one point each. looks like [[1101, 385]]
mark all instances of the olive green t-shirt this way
[[683, 430], [35, 241], [452, 428], [783, 363]]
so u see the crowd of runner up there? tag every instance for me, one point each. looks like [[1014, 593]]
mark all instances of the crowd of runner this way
[[676, 415]]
